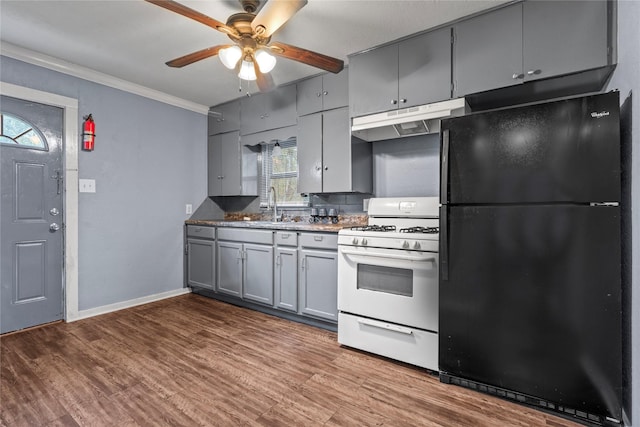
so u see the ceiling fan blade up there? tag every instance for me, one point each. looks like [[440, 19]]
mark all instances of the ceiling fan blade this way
[[196, 56], [274, 14], [264, 81], [194, 14], [308, 57]]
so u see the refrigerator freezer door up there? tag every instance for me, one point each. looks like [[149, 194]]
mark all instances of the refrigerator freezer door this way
[[532, 302], [561, 151]]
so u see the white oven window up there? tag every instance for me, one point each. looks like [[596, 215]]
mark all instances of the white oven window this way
[[391, 280]]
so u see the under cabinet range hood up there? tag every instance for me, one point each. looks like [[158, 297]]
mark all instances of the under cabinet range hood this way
[[419, 120]]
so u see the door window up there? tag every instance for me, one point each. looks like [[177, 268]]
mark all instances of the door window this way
[[20, 133]]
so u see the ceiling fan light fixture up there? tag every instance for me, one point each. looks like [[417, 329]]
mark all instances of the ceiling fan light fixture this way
[[230, 56], [247, 71], [265, 60]]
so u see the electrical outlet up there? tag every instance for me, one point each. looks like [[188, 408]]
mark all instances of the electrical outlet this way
[[189, 209], [87, 185]]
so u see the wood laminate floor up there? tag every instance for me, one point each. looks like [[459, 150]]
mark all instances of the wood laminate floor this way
[[191, 360]]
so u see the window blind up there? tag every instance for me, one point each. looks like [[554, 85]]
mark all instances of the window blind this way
[[281, 173]]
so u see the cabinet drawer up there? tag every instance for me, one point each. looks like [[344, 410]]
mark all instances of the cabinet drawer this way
[[286, 238], [246, 236], [319, 241], [201, 232]]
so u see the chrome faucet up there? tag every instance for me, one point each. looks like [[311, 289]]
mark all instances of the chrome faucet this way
[[275, 203]]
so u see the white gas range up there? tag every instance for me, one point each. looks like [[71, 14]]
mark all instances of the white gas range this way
[[388, 281]]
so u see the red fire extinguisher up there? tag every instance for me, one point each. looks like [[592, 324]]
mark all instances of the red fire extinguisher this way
[[88, 133]]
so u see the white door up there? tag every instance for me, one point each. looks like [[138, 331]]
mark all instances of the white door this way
[[31, 225]]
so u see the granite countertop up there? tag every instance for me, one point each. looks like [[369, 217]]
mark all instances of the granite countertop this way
[[284, 225]]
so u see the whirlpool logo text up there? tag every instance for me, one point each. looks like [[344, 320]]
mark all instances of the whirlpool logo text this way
[[599, 115]]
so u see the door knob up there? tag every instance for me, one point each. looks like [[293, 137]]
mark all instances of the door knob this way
[[54, 211], [54, 227]]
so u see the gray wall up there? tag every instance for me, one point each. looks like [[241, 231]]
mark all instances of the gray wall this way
[[626, 78], [149, 161], [407, 166]]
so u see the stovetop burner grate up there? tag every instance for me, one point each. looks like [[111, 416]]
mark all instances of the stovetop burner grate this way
[[381, 228], [423, 230]]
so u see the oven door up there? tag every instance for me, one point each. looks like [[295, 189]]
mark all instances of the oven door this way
[[389, 284]]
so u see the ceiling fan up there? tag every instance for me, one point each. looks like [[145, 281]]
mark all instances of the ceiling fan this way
[[251, 53]]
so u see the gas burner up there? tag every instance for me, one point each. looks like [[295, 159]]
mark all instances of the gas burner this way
[[424, 230], [380, 228]]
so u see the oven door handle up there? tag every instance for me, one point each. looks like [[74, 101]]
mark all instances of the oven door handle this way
[[387, 326], [423, 258]]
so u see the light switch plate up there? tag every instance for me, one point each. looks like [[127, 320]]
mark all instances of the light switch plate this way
[[189, 209], [87, 185]]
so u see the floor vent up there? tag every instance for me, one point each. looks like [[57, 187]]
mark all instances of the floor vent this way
[[566, 412]]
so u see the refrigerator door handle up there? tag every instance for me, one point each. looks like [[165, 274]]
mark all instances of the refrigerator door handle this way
[[444, 168], [444, 243]]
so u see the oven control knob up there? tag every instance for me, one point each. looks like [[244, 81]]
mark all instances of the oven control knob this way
[[364, 242], [405, 245], [355, 241], [416, 245]]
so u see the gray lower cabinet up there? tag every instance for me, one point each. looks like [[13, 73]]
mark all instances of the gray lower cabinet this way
[[258, 273], [285, 277], [245, 264], [330, 159], [230, 268], [530, 41], [201, 257], [318, 282]]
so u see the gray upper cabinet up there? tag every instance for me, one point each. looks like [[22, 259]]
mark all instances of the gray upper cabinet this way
[[265, 111], [412, 72], [309, 144], [225, 165], [323, 92], [488, 51], [330, 160], [529, 41], [561, 37], [224, 118], [230, 173]]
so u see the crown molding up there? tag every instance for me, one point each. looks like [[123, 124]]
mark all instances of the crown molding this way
[[56, 64]]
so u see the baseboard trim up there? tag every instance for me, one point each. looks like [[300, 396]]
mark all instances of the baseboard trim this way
[[91, 312]]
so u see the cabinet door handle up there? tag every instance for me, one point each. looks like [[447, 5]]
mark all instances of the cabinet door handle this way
[[303, 262], [318, 94], [394, 101], [532, 72], [325, 93], [318, 238], [326, 168], [517, 76], [403, 100], [278, 260]]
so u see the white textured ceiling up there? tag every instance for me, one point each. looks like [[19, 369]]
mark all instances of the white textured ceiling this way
[[132, 39]]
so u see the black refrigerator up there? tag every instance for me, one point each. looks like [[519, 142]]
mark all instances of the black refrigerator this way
[[530, 256]]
